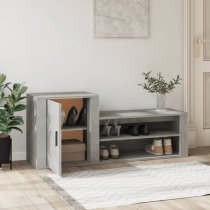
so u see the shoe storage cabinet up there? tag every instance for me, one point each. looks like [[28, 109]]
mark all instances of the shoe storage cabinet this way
[[54, 145], [161, 124]]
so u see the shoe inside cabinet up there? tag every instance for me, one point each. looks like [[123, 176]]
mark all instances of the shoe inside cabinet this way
[[115, 129], [74, 113], [133, 130], [105, 129], [71, 117], [104, 152], [114, 151], [144, 129]]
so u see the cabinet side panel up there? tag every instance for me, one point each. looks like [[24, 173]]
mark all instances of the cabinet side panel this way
[[41, 126], [93, 129], [31, 131]]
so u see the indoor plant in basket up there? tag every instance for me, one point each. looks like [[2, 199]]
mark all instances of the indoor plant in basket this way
[[159, 86], [11, 101]]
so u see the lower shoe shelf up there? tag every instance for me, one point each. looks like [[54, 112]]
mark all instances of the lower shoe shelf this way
[[124, 157], [131, 150], [138, 155]]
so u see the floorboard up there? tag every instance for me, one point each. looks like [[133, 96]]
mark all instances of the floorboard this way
[[23, 188]]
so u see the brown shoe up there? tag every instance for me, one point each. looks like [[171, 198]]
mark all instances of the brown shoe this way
[[167, 145], [156, 148], [104, 153], [114, 152]]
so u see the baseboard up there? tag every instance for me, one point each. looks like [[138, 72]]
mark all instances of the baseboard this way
[[192, 136], [18, 156]]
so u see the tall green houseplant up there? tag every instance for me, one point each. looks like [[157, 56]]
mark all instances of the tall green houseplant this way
[[11, 102]]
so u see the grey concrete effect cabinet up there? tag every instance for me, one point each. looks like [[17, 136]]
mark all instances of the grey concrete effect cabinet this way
[[43, 113], [37, 111]]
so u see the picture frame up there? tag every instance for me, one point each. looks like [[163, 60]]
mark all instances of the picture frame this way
[[121, 18]]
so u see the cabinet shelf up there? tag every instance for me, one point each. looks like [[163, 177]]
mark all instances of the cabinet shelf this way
[[162, 124], [70, 128], [140, 114], [138, 155], [153, 134], [66, 164], [124, 157]]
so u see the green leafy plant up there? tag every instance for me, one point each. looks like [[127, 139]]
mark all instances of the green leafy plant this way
[[11, 101], [158, 84]]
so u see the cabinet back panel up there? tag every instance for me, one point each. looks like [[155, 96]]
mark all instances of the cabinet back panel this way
[[72, 135], [135, 145], [67, 104]]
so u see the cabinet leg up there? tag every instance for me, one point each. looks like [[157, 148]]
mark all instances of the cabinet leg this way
[[10, 165], [0, 165]]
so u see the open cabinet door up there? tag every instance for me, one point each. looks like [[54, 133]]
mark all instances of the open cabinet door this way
[[54, 161]]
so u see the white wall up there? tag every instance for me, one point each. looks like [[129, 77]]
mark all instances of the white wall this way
[[50, 45]]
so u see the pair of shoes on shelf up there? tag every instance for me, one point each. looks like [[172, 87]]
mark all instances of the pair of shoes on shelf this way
[[72, 115], [136, 130], [160, 147], [113, 152], [110, 130]]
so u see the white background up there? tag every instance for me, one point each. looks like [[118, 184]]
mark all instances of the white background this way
[[50, 45]]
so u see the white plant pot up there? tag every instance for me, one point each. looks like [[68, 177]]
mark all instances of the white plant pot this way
[[161, 102]]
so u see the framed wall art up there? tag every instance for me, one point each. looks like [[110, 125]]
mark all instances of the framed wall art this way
[[121, 18]]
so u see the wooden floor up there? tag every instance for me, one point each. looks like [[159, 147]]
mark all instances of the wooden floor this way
[[23, 189]]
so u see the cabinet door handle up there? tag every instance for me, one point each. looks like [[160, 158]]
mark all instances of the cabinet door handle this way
[[56, 138]]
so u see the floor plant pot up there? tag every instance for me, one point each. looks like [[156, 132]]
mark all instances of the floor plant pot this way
[[5, 150]]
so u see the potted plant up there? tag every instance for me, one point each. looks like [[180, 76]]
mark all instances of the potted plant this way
[[159, 86], [11, 101]]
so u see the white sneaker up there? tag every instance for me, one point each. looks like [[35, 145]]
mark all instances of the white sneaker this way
[[167, 145], [156, 148]]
